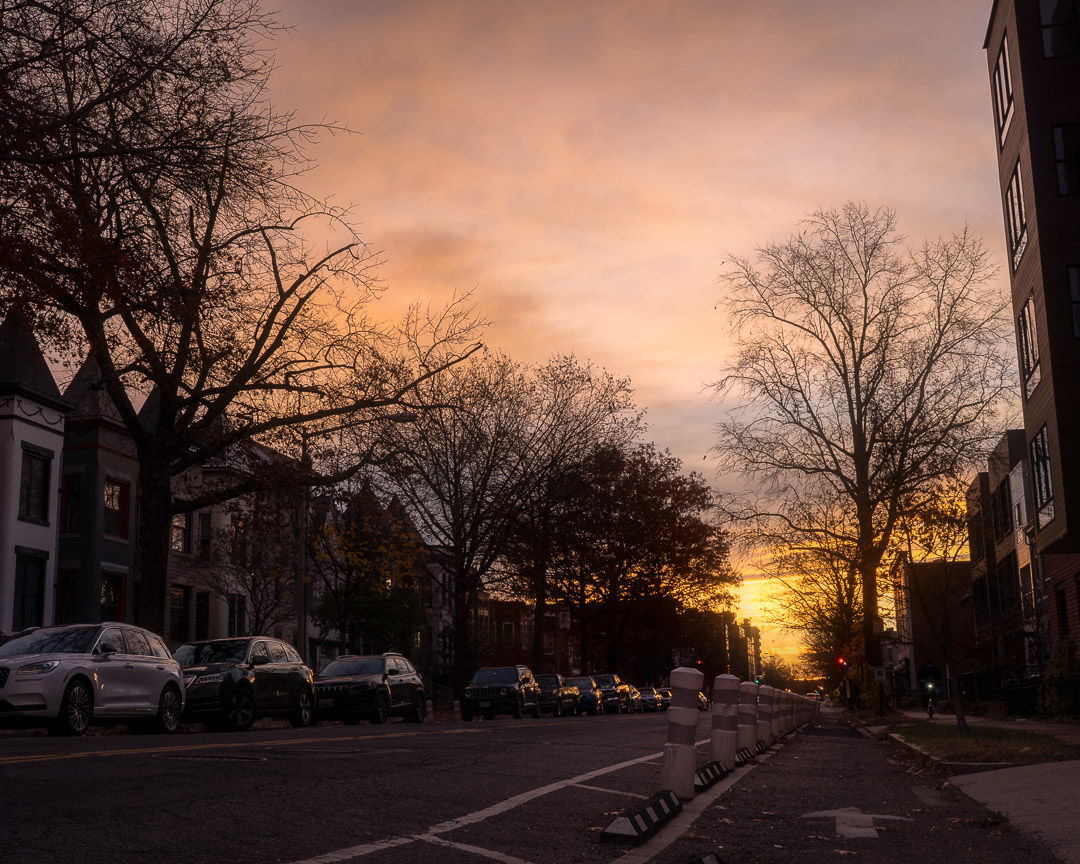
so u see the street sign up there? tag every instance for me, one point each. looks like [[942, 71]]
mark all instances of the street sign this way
[[879, 674]]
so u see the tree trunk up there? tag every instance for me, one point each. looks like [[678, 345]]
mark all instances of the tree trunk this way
[[156, 538], [539, 580]]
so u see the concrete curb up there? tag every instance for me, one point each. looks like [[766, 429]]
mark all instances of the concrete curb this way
[[644, 820]]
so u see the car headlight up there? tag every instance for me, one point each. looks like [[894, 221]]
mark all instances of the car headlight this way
[[468, 692], [364, 685], [38, 668], [216, 678], [503, 691]]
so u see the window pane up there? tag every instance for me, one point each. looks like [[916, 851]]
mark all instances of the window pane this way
[[29, 593]]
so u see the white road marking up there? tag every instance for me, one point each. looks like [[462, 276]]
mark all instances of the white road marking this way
[[612, 791], [477, 816], [852, 823], [475, 850]]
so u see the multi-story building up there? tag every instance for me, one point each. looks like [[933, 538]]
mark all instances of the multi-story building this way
[[1033, 56]]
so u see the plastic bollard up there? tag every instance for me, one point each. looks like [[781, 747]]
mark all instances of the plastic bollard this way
[[747, 737], [680, 754], [429, 711], [766, 706], [457, 710], [725, 721]]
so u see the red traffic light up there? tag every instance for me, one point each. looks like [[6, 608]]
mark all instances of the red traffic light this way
[[841, 661]]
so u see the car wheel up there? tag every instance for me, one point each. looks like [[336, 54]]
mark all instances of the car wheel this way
[[241, 711], [466, 716], [305, 711], [419, 710], [381, 710], [170, 706], [76, 710], [519, 709], [536, 711], [556, 711]]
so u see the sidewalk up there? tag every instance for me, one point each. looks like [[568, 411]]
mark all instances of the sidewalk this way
[[1039, 799]]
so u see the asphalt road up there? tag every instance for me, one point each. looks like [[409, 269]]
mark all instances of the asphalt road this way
[[532, 791]]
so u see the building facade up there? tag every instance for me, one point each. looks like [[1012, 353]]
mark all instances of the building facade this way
[[1033, 58]]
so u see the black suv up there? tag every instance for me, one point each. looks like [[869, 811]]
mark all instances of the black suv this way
[[501, 690], [373, 686], [616, 694], [230, 682]]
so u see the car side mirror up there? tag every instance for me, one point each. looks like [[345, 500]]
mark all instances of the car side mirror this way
[[259, 661], [105, 650]]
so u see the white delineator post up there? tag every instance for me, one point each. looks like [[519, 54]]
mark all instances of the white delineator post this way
[[766, 706], [680, 754], [725, 720], [747, 737]]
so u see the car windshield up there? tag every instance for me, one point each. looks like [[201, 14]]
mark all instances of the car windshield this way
[[581, 682], [495, 676], [605, 680], [203, 653], [547, 680], [52, 640], [353, 666]]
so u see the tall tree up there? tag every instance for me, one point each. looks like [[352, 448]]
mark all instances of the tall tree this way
[[490, 435], [645, 531], [149, 209], [863, 372]]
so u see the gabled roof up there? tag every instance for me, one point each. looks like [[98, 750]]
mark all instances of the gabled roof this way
[[88, 394], [22, 365]]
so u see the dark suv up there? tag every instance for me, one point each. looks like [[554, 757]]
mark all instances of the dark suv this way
[[615, 692], [374, 686], [501, 690], [230, 682]]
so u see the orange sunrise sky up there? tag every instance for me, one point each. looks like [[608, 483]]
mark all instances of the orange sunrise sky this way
[[587, 167]]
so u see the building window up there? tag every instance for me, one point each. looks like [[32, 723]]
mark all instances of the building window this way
[[1040, 477], [34, 484], [115, 518], [205, 536], [1002, 92], [1027, 339], [29, 592], [1016, 217], [1073, 276], [181, 533], [179, 612], [1059, 30], [1067, 158], [1062, 612], [112, 597], [65, 596], [1000, 513], [69, 506], [237, 615]]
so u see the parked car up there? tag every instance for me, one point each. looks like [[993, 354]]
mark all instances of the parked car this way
[[651, 699], [635, 699], [815, 696], [69, 677], [373, 687], [557, 695], [590, 699], [231, 682], [703, 701], [501, 690], [665, 697], [616, 693]]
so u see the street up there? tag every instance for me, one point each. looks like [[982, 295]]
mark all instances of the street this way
[[512, 791]]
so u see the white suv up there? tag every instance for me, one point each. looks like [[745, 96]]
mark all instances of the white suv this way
[[66, 678]]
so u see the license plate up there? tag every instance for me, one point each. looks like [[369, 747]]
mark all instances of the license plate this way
[[326, 703], [485, 704]]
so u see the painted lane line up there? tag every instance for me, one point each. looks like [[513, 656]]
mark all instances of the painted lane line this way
[[475, 850], [612, 791], [690, 812], [475, 817], [852, 823]]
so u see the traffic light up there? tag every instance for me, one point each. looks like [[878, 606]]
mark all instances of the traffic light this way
[[841, 661]]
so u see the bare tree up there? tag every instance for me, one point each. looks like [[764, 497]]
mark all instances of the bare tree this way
[[149, 210], [932, 542], [490, 434], [862, 373]]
